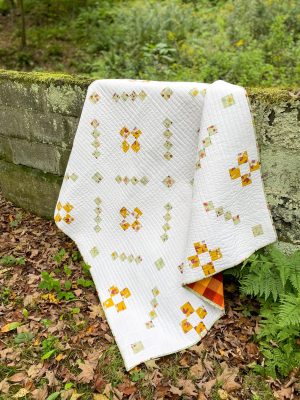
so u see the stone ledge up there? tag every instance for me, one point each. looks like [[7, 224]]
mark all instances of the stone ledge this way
[[42, 156], [30, 188]]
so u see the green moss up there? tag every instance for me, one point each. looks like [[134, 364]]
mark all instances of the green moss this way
[[271, 95], [45, 77], [62, 98]]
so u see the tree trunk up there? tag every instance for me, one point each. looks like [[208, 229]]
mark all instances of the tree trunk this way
[[23, 26]]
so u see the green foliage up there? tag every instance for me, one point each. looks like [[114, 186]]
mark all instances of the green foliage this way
[[271, 274], [247, 43], [60, 256], [85, 282], [49, 347], [23, 337], [274, 279], [11, 261], [51, 284]]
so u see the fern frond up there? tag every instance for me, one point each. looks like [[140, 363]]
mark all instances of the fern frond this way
[[289, 310], [263, 282]]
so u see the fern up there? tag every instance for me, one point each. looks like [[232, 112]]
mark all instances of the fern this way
[[274, 279], [262, 281], [289, 310]]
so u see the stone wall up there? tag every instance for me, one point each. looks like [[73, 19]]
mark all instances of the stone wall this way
[[38, 118]]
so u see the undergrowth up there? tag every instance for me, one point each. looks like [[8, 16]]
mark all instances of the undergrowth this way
[[274, 279]]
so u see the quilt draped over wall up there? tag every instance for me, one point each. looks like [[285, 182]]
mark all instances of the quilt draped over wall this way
[[162, 192]]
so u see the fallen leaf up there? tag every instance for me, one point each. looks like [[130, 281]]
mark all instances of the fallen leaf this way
[[21, 393], [40, 393], [207, 386], [4, 386], [187, 386], [34, 370], [284, 393], [10, 327], [96, 311], [175, 390], [76, 395], [197, 370], [228, 377], [151, 364], [86, 374], [18, 377]]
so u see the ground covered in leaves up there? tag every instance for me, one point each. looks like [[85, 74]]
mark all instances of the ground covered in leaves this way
[[55, 342]]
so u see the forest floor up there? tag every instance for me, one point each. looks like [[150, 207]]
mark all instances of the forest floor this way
[[55, 341]]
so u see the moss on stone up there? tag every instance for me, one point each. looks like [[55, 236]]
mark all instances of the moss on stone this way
[[46, 78], [272, 95]]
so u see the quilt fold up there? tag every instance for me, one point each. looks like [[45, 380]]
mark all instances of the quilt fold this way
[[163, 192]]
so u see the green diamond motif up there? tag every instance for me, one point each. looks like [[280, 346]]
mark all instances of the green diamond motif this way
[[167, 217], [219, 211], [168, 145], [74, 177], [144, 180], [168, 133], [123, 256], [96, 133], [97, 228], [130, 258], [97, 219], [138, 259], [98, 210], [227, 216], [134, 180], [209, 206], [228, 100], [96, 143], [159, 263], [97, 200], [142, 95], [97, 177], [94, 251], [166, 227], [168, 207], [96, 153], [206, 142], [164, 237], [118, 179], [167, 122], [124, 96]]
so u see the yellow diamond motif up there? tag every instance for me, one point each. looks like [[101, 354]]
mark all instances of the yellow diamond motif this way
[[125, 146], [68, 207], [135, 146]]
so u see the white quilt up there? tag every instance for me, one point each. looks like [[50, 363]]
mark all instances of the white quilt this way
[[163, 188]]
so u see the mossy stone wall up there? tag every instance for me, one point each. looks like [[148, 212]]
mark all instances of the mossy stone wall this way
[[39, 113]]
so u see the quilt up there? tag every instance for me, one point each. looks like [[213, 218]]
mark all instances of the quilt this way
[[162, 192]]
